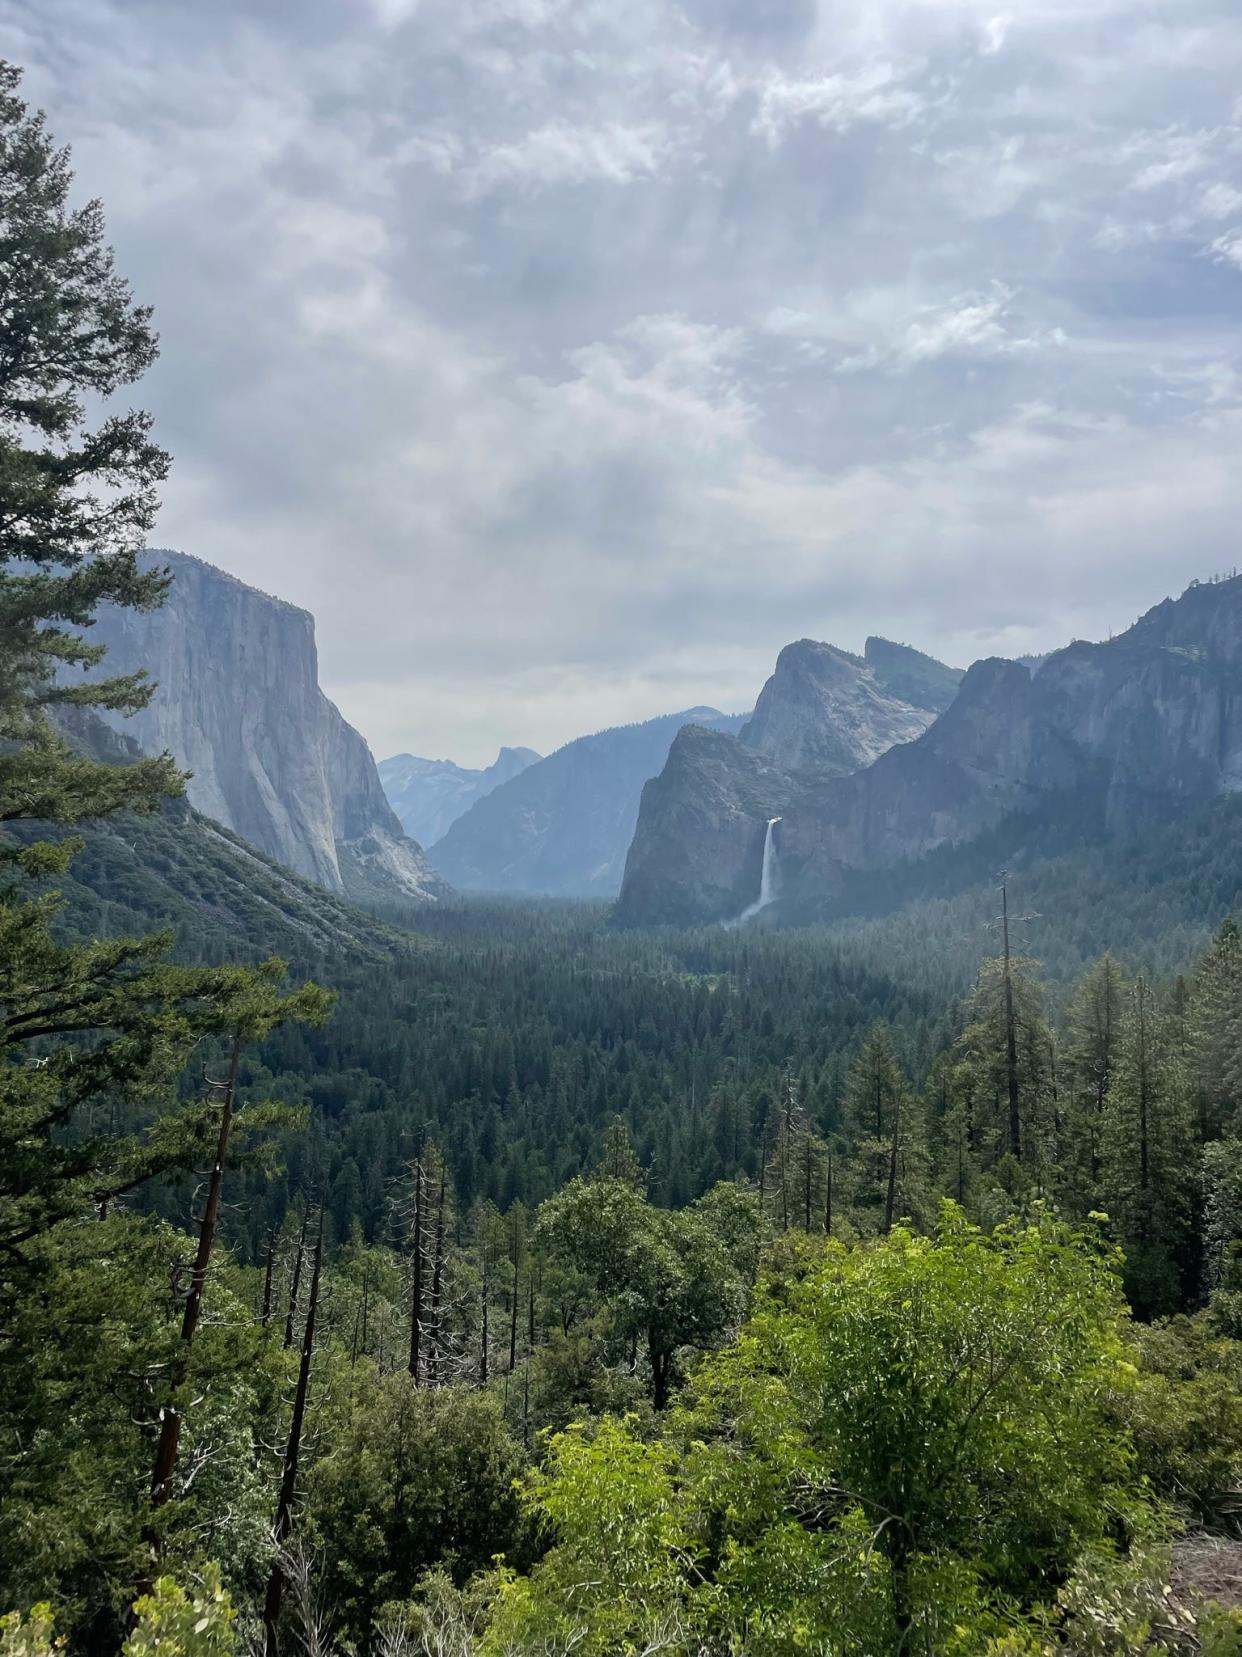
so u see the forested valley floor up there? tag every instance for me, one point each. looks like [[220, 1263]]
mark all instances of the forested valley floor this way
[[609, 1291]]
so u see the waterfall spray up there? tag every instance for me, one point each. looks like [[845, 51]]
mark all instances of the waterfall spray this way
[[770, 877]]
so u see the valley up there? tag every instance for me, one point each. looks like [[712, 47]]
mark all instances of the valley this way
[[756, 1180]]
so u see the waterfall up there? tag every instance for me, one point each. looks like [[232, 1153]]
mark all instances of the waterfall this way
[[770, 877]]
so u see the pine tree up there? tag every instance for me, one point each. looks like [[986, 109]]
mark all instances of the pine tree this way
[[1007, 1055], [1095, 1018], [889, 1136], [1147, 1158], [108, 1018], [93, 1034], [1215, 1032], [619, 1159]]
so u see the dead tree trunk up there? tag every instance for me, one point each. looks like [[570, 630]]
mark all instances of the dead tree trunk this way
[[416, 1291], [437, 1284], [483, 1334], [295, 1286], [170, 1422], [282, 1526], [513, 1309], [267, 1280], [1011, 1038]]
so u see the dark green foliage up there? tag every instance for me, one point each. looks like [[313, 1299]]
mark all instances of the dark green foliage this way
[[408, 1479], [666, 1279], [75, 502], [1185, 1415]]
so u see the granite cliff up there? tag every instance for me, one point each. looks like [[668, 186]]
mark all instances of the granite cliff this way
[[1143, 726], [825, 708], [238, 704], [697, 852]]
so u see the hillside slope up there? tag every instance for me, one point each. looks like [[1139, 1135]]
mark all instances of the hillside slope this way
[[564, 825]]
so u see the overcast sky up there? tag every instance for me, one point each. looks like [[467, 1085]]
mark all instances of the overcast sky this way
[[568, 357]]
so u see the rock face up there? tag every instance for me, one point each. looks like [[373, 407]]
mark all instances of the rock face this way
[[563, 826], [1149, 723], [697, 852], [911, 676], [429, 795], [823, 707], [238, 703], [175, 867]]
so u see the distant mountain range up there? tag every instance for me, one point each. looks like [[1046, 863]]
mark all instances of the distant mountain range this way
[[849, 766], [429, 795], [238, 703], [563, 826], [1126, 734]]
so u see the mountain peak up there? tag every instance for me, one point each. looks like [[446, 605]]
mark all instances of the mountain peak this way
[[911, 675], [823, 709]]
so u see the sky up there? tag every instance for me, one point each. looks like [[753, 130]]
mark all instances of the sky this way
[[566, 358]]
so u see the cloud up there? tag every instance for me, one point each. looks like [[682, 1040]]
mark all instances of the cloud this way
[[560, 153], [567, 358], [1228, 249], [970, 325], [994, 33], [875, 94]]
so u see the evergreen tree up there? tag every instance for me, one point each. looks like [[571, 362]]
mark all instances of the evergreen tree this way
[[1095, 1017], [1215, 1028], [93, 1034], [1147, 1158], [620, 1160], [889, 1136], [1007, 1055]]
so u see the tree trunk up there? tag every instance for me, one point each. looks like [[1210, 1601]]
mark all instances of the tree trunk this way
[[513, 1314], [295, 1287], [170, 1424], [890, 1199], [903, 1608], [283, 1525], [267, 1280], [437, 1279], [1011, 1040], [416, 1290], [483, 1333], [661, 1364], [1140, 996]]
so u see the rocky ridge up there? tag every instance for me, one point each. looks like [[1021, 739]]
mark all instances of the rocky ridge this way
[[1147, 724], [698, 846], [824, 708], [429, 795]]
